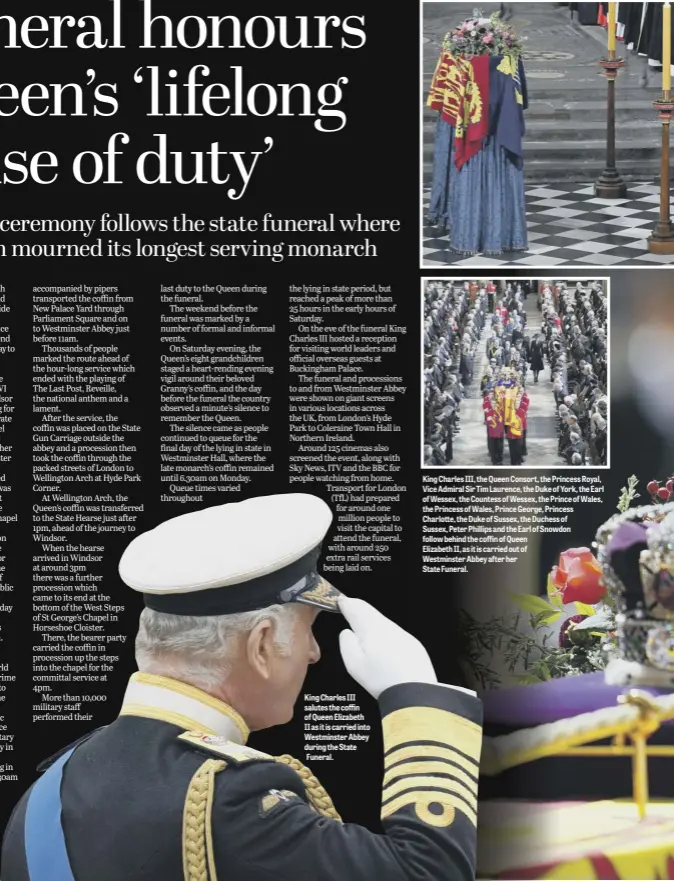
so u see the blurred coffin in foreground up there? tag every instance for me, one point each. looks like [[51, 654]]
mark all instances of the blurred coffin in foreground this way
[[572, 778], [567, 840]]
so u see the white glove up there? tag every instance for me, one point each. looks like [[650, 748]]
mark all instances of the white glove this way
[[378, 653]]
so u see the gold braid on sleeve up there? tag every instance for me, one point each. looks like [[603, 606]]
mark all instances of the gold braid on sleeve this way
[[318, 797], [198, 858]]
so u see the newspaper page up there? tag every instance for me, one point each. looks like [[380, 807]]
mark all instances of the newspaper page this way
[[337, 486]]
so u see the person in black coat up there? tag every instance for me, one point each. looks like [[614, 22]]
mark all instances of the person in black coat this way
[[536, 357], [526, 349]]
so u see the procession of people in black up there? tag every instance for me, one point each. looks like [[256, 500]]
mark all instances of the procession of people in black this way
[[574, 335], [571, 344], [453, 323], [639, 28], [505, 401]]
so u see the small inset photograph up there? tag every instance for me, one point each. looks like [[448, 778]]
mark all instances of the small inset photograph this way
[[546, 134], [515, 373]]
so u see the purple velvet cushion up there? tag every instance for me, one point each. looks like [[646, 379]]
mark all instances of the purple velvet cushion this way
[[527, 705]]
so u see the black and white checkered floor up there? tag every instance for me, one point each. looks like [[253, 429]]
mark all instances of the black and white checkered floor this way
[[570, 225]]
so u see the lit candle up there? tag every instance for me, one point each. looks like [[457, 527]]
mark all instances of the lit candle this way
[[611, 27], [667, 47]]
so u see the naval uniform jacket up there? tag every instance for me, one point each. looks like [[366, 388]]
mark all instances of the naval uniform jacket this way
[[169, 792]]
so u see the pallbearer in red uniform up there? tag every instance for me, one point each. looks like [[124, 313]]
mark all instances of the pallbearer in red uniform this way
[[515, 444], [491, 293], [493, 415], [508, 395], [523, 408]]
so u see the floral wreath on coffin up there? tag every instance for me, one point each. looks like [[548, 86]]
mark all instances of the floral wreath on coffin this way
[[617, 605], [484, 36]]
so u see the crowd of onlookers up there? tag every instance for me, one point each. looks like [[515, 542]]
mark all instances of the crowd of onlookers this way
[[453, 322], [575, 340], [572, 344]]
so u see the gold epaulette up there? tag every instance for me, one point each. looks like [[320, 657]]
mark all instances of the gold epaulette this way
[[227, 749]]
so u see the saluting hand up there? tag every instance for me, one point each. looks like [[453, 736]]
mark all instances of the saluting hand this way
[[377, 652]]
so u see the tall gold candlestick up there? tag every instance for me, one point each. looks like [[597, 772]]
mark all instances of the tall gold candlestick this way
[[610, 185], [611, 28], [661, 240], [667, 48]]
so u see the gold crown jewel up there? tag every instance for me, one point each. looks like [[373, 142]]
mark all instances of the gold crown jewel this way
[[658, 536], [661, 538], [657, 568], [635, 550]]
